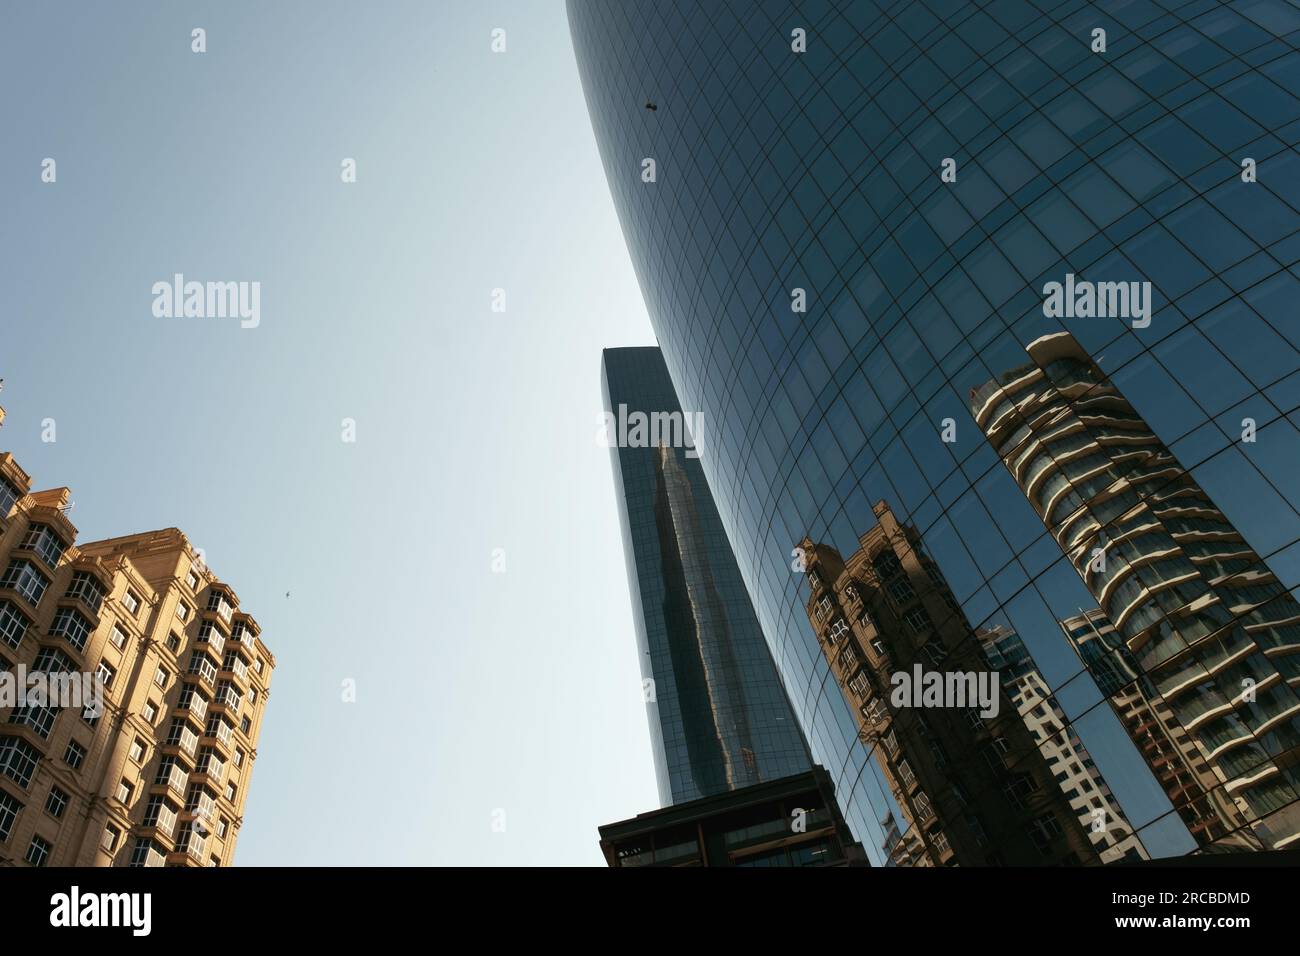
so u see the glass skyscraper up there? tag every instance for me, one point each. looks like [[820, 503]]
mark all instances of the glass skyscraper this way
[[856, 227], [719, 719]]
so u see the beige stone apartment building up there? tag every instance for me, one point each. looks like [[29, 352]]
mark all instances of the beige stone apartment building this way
[[160, 776]]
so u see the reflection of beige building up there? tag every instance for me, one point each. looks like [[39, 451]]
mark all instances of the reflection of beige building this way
[[1076, 774], [970, 790], [161, 776]]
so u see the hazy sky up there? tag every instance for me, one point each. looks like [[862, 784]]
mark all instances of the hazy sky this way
[[475, 430]]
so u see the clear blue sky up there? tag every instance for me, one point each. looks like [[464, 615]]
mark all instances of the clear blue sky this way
[[475, 430]]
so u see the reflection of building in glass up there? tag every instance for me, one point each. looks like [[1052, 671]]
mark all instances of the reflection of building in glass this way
[[719, 718], [1175, 760], [793, 821], [1211, 636], [970, 789], [1074, 771]]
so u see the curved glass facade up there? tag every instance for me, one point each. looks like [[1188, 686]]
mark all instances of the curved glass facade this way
[[847, 220]]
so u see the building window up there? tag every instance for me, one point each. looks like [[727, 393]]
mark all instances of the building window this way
[[859, 685], [40, 719], [9, 494], [230, 792], [823, 607], [886, 564], [182, 611], [173, 643], [245, 725], [1043, 831], [939, 840], [1020, 788], [18, 760], [74, 755], [202, 665], [923, 809], [86, 588], [9, 808], [901, 590], [150, 712], [22, 577], [918, 620], [217, 602], [160, 813], [53, 661], [257, 665], [935, 652], [146, 853], [106, 673], [110, 838], [160, 678], [118, 637], [192, 580], [124, 791], [905, 773], [13, 624], [838, 629], [39, 852], [239, 757], [137, 750], [56, 802], [223, 825], [131, 601], [45, 543]]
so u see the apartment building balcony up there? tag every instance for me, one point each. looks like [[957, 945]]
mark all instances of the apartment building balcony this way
[[211, 635], [194, 710], [245, 642], [221, 741], [211, 772], [162, 828], [227, 699], [174, 783], [154, 858]]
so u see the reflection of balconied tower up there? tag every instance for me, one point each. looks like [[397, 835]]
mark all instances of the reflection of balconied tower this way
[[1074, 770], [1175, 760], [963, 784], [719, 718], [1211, 635]]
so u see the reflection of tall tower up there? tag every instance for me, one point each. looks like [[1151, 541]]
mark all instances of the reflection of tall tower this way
[[1073, 769], [963, 784], [719, 717], [1211, 636], [707, 673]]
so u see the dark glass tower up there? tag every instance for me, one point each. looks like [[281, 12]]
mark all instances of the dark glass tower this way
[[719, 719], [846, 217]]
